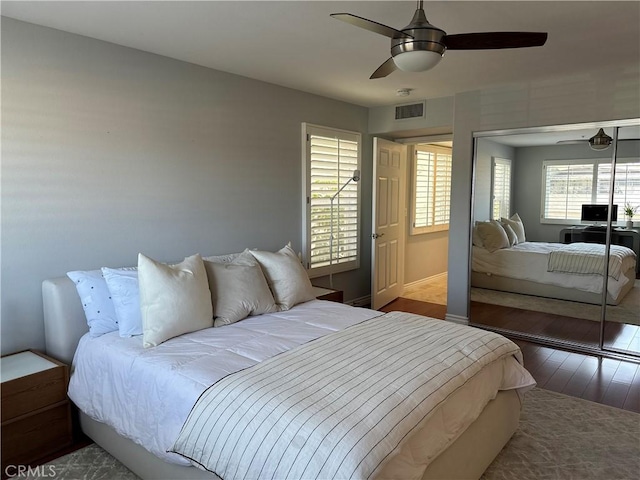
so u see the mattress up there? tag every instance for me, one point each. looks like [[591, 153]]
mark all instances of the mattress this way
[[529, 261], [147, 394]]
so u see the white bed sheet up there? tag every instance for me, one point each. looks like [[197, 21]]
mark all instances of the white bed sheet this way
[[147, 394], [529, 261]]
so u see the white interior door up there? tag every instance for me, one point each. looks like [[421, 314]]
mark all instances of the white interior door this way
[[389, 221]]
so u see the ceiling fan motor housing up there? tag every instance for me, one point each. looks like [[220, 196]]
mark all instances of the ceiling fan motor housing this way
[[423, 37]]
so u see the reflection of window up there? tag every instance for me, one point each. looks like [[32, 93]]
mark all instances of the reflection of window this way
[[567, 184], [627, 187], [431, 189], [330, 158], [501, 188]]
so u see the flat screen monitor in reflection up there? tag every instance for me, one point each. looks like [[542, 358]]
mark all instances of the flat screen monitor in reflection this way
[[597, 214]]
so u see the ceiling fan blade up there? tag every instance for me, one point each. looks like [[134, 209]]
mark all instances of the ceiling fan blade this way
[[494, 40], [385, 69], [370, 25], [586, 140]]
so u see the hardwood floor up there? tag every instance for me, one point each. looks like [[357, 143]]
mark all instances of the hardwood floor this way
[[602, 380], [617, 335]]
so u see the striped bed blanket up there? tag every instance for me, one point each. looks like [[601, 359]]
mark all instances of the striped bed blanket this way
[[588, 259], [336, 407]]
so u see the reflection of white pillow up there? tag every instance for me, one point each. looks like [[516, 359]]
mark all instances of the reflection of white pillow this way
[[96, 301], [493, 235], [513, 238], [518, 227], [238, 289], [125, 294], [286, 277], [477, 241], [174, 299]]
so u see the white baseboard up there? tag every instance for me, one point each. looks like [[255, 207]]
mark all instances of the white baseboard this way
[[425, 280], [457, 319]]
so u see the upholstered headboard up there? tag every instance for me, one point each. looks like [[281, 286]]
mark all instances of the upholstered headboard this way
[[64, 319]]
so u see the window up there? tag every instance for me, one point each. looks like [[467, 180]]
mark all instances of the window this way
[[431, 189], [569, 184], [501, 186], [330, 158]]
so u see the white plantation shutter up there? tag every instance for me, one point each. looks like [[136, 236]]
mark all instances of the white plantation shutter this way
[[566, 187], [627, 186], [431, 189], [330, 160], [570, 183], [501, 188]]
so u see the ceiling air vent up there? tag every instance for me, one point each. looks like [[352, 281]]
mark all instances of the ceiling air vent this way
[[413, 110]]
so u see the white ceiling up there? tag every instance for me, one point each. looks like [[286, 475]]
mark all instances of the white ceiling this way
[[296, 44]]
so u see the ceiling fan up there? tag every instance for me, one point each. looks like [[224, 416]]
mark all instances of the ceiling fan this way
[[600, 141], [420, 45]]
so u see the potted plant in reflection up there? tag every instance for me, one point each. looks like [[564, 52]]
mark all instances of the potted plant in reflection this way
[[629, 212]]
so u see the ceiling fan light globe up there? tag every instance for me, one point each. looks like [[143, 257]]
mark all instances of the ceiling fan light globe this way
[[417, 61]]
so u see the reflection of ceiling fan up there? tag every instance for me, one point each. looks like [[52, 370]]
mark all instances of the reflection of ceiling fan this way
[[600, 141], [419, 46]]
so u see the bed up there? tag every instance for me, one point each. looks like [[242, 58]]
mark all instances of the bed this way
[[525, 268], [134, 401]]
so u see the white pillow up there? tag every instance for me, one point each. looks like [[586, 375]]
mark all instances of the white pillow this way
[[228, 258], [513, 238], [286, 276], [96, 301], [493, 235], [238, 289], [125, 294], [475, 237], [516, 223], [174, 299]]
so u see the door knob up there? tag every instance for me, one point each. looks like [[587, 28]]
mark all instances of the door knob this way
[[377, 235]]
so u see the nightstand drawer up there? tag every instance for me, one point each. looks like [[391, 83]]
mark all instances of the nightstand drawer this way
[[35, 436], [33, 392]]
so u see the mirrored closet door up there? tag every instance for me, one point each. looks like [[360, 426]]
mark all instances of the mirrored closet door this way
[[621, 185], [542, 231]]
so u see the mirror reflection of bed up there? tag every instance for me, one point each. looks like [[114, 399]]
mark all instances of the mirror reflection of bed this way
[[535, 267]]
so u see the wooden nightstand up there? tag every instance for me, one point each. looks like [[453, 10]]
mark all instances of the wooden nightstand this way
[[328, 294], [36, 412]]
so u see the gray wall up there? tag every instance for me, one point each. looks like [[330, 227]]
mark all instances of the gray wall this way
[[486, 150], [109, 151]]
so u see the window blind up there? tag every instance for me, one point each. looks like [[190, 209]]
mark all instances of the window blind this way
[[569, 184], [566, 188], [432, 189], [332, 158], [627, 185], [501, 188]]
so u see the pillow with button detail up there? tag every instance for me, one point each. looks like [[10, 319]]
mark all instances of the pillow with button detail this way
[[238, 289], [96, 301]]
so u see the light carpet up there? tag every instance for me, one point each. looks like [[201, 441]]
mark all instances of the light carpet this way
[[559, 437]]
